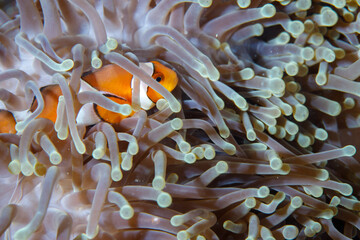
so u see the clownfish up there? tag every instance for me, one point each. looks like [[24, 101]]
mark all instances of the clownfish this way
[[7, 122], [116, 84]]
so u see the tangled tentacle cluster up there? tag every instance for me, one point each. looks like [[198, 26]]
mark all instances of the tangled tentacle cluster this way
[[258, 140]]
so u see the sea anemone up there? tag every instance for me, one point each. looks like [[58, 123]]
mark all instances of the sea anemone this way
[[257, 141]]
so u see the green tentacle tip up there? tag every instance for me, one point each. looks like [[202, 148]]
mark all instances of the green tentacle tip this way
[[205, 3], [164, 200], [67, 65]]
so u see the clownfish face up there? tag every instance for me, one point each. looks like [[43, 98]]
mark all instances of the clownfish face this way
[[163, 75]]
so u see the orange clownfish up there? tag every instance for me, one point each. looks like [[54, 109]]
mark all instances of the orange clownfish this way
[[116, 84], [7, 122]]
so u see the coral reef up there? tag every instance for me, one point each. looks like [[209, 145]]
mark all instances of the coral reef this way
[[257, 141]]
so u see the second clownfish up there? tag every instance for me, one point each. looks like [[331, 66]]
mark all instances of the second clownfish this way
[[116, 84]]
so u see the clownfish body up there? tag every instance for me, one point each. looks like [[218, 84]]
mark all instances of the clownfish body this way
[[116, 84], [7, 122], [50, 94]]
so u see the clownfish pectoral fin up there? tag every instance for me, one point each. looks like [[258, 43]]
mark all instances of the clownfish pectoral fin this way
[[50, 95], [165, 76], [111, 79], [7, 122], [87, 116], [109, 116]]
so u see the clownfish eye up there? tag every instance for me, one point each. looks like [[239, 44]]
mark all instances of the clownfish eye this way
[[158, 77]]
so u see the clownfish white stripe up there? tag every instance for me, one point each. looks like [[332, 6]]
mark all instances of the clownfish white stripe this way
[[145, 101]]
